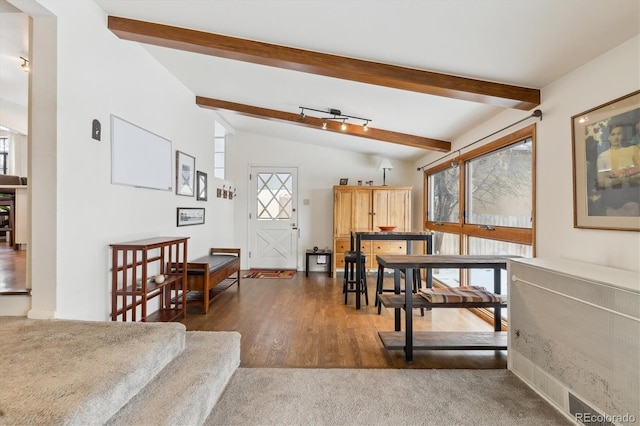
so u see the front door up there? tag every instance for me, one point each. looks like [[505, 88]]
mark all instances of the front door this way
[[273, 229]]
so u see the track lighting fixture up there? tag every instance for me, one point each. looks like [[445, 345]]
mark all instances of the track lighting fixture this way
[[25, 64], [336, 115]]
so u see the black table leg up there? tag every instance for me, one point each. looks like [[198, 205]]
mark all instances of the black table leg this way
[[396, 288], [408, 312], [497, 312], [358, 269]]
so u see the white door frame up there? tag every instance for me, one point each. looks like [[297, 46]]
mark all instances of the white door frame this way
[[283, 244]]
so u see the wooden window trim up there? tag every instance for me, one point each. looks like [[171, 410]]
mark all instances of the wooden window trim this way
[[464, 231]]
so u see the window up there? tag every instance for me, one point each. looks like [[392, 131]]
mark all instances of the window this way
[[483, 203], [4, 153], [219, 154]]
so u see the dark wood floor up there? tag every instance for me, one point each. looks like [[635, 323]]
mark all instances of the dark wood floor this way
[[13, 270], [303, 322]]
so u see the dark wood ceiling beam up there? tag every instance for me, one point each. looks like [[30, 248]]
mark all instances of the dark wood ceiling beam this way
[[369, 72], [332, 125]]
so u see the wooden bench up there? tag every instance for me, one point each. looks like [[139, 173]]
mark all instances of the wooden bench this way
[[209, 276]]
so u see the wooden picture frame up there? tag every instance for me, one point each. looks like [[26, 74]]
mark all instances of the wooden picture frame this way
[[185, 174], [344, 181], [187, 216], [606, 165], [201, 186]]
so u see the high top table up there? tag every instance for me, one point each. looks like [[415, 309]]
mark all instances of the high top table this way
[[440, 340], [357, 236]]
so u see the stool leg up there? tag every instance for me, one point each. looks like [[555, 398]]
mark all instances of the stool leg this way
[[379, 285], [364, 283]]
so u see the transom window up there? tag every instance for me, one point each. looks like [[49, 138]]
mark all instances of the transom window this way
[[219, 151], [4, 153]]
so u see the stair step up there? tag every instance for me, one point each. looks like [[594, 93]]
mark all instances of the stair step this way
[[79, 372], [15, 304], [188, 387]]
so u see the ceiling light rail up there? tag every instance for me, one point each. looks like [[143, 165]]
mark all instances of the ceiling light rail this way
[[536, 113], [336, 115]]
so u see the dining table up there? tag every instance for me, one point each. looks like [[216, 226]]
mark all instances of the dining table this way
[[357, 236], [409, 264]]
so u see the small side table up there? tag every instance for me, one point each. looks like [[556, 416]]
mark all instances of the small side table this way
[[317, 253]]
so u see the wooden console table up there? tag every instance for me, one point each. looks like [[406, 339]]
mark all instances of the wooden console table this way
[[133, 266], [410, 340]]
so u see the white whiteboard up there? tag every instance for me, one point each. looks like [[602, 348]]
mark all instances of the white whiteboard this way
[[138, 157]]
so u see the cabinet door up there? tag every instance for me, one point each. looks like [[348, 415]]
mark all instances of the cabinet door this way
[[362, 209], [392, 207], [381, 208], [342, 213], [399, 212]]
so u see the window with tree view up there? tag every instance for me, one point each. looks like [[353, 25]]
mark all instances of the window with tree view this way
[[483, 203]]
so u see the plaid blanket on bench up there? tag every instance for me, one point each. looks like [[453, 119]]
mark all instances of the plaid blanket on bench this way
[[459, 295]]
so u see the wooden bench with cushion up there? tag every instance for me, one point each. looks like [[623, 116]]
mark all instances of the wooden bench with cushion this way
[[209, 276]]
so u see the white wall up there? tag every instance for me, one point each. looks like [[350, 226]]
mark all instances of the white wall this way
[[608, 77], [319, 169], [98, 75]]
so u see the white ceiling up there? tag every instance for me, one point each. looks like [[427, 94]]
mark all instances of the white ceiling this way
[[528, 43]]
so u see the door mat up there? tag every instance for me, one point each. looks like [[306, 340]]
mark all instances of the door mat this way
[[269, 273]]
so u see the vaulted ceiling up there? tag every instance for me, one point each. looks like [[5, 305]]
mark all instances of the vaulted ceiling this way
[[423, 72]]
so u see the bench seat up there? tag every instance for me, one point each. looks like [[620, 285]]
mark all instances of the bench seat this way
[[209, 276]]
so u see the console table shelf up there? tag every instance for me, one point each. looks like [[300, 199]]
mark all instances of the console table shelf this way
[[446, 340], [140, 261]]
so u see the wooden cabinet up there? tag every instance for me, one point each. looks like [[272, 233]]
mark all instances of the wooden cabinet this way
[[365, 208], [134, 291]]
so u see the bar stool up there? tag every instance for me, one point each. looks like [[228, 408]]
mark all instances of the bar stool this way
[[417, 280], [351, 282]]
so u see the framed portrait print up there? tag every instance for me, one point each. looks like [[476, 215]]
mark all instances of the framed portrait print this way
[[606, 165], [201, 186], [185, 174], [190, 216]]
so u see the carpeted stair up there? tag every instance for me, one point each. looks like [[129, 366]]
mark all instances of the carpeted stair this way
[[187, 389], [81, 372]]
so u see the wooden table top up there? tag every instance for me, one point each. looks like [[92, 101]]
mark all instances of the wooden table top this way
[[442, 261]]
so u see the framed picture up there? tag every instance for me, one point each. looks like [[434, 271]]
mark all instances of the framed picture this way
[[201, 186], [606, 165], [190, 216], [185, 174], [344, 181]]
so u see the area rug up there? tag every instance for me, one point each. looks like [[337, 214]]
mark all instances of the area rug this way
[[269, 273]]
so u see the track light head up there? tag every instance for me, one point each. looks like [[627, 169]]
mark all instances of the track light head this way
[[336, 115]]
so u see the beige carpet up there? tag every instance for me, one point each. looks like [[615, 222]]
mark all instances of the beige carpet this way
[[267, 396], [78, 372]]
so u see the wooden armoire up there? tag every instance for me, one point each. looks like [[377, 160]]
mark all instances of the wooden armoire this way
[[364, 208]]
